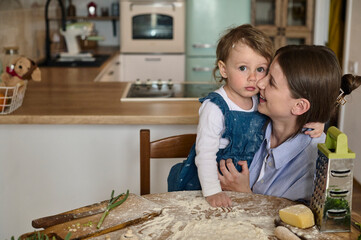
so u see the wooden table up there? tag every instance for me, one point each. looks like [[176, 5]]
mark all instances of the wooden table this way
[[186, 215]]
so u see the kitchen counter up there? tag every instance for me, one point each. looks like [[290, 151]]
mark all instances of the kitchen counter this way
[[73, 137], [70, 96]]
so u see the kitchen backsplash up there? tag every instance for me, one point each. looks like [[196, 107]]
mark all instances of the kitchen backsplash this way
[[81, 6], [103, 28], [22, 24]]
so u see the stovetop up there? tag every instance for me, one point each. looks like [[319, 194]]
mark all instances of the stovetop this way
[[167, 91]]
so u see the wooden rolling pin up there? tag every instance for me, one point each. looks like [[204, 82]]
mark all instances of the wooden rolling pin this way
[[284, 233], [86, 211]]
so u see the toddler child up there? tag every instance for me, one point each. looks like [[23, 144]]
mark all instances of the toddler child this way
[[230, 127]]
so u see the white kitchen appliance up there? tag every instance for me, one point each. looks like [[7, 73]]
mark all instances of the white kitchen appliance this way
[[207, 21], [152, 40], [167, 91], [152, 26], [73, 31]]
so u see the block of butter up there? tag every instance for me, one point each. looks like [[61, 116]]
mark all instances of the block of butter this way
[[297, 215]]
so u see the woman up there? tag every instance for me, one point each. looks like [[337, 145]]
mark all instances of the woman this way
[[302, 86]]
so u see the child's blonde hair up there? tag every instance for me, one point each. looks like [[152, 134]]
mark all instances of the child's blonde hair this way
[[246, 34]]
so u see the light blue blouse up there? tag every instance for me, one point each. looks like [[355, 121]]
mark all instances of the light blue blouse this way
[[288, 169]]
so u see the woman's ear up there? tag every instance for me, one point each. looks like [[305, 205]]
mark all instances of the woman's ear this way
[[222, 69], [301, 106]]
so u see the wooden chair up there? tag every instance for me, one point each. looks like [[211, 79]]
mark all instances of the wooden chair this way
[[171, 147]]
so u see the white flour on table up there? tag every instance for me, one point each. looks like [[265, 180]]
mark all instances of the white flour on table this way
[[198, 220]]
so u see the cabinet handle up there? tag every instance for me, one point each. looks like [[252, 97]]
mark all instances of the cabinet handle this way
[[110, 73], [202, 69], [204, 45], [148, 59]]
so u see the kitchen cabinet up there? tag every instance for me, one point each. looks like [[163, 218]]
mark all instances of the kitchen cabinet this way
[[165, 67], [206, 22], [200, 68], [285, 21], [126, 67], [111, 72]]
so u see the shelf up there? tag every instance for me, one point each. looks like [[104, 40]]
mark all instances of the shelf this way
[[107, 18], [100, 18]]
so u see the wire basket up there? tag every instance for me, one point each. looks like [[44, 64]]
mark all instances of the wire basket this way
[[11, 98]]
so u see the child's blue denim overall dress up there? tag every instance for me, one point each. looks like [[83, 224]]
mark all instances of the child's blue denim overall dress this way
[[244, 130]]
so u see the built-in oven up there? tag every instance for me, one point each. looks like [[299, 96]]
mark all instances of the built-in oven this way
[[152, 26]]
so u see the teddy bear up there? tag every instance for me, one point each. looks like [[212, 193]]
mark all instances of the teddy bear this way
[[22, 69]]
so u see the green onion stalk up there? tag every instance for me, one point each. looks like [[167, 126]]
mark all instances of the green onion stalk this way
[[112, 204]]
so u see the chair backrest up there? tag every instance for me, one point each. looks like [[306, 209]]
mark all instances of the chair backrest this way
[[171, 147]]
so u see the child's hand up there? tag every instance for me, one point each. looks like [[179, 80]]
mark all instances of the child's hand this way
[[219, 200], [317, 129]]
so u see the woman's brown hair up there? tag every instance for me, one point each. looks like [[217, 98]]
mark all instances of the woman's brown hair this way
[[314, 73], [248, 35]]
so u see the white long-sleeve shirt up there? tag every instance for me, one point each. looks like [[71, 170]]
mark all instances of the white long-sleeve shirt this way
[[209, 141]]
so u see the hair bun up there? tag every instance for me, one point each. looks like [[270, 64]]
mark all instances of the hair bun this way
[[349, 83]]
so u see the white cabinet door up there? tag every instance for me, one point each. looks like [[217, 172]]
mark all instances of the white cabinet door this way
[[152, 67], [111, 72]]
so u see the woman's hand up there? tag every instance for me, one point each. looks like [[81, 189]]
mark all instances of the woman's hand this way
[[219, 200], [317, 129], [232, 180]]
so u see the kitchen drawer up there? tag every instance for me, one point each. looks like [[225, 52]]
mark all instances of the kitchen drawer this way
[[153, 67], [111, 72], [200, 69]]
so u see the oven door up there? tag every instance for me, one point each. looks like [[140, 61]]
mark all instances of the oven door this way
[[152, 27]]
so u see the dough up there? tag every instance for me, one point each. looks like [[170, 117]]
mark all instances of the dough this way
[[221, 229], [129, 236]]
